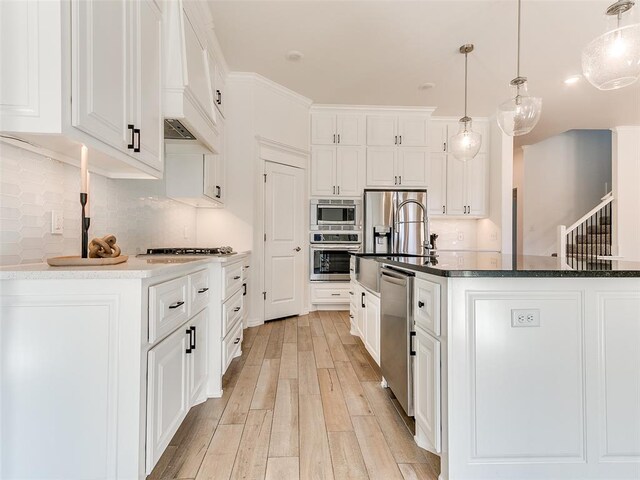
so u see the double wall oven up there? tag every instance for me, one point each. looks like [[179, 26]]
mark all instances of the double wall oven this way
[[336, 233]]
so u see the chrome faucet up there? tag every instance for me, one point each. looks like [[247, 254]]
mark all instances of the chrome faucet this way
[[426, 246]]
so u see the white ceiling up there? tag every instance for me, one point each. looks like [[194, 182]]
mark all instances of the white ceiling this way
[[379, 52]]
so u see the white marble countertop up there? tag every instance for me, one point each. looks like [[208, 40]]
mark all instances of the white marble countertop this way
[[145, 266]]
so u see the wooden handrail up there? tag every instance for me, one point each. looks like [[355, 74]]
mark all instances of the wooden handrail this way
[[604, 203]]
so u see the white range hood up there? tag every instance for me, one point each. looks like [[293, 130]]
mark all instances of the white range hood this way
[[189, 110]]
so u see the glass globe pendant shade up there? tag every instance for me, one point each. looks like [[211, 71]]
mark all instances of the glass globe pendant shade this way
[[612, 60], [466, 143], [520, 114]]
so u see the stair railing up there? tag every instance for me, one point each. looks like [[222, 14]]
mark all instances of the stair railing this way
[[588, 227]]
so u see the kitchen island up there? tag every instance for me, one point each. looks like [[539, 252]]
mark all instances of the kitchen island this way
[[526, 368]]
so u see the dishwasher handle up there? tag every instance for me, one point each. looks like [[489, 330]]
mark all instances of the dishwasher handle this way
[[394, 276]]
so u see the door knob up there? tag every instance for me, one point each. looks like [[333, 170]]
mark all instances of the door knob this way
[[297, 249]]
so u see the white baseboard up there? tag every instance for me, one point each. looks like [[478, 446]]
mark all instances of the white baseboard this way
[[253, 322], [330, 306]]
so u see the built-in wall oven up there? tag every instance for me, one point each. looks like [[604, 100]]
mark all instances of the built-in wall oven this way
[[334, 214], [330, 255]]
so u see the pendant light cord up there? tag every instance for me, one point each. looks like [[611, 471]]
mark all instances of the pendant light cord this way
[[466, 55], [518, 61]]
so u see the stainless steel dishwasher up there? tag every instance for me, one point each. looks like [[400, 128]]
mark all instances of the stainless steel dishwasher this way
[[396, 332]]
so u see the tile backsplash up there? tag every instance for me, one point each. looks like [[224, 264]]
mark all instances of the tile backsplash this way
[[135, 211]]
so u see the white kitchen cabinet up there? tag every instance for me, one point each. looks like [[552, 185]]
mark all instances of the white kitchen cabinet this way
[[199, 356], [337, 171], [106, 59], [437, 183], [393, 167], [167, 397], [467, 188], [372, 325], [401, 130], [337, 129], [427, 391]]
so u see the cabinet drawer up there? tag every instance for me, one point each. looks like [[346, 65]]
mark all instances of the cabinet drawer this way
[[330, 294], [427, 306], [231, 279], [231, 346], [231, 312], [199, 291], [168, 307]]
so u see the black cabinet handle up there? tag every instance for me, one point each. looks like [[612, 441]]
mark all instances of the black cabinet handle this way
[[136, 131], [237, 309], [400, 180], [130, 127], [193, 337], [244, 288], [338, 138], [237, 277], [400, 139], [420, 304], [443, 209], [396, 140], [176, 305], [189, 345], [335, 294], [202, 290], [334, 138], [411, 350], [218, 191], [236, 341], [362, 301], [219, 97]]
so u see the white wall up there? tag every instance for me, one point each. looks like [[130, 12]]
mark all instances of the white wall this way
[[135, 211], [564, 177]]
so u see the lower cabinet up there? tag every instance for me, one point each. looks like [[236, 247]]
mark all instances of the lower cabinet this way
[[372, 324], [176, 375], [427, 391]]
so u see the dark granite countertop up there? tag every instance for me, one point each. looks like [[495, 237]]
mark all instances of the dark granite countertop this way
[[488, 264]]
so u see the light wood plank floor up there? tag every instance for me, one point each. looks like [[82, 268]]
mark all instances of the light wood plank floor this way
[[303, 401]]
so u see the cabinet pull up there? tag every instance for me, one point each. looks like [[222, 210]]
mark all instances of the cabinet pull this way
[[338, 138], [334, 189], [400, 180], [444, 146], [443, 209], [219, 97], [237, 277], [338, 189], [395, 180], [350, 316], [202, 290], [420, 304], [194, 336], [237, 340], [412, 352], [218, 191], [396, 140], [362, 301], [400, 137], [176, 305], [237, 309], [334, 138], [130, 127], [335, 294], [244, 289], [136, 131], [188, 350], [350, 293]]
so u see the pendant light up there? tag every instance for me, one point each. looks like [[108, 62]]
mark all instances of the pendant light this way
[[612, 60], [520, 114], [466, 143]]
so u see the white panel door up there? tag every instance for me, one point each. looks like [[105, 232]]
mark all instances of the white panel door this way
[[427, 391], [413, 164], [476, 185], [323, 171], [198, 365], [456, 187], [381, 130], [149, 118], [167, 400], [372, 327], [323, 129], [351, 130], [437, 183], [100, 72], [413, 130], [284, 260], [350, 171], [381, 167]]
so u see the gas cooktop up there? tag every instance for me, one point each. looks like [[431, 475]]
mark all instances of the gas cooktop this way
[[191, 251]]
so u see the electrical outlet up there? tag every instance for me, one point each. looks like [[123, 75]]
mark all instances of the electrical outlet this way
[[525, 318], [57, 222]]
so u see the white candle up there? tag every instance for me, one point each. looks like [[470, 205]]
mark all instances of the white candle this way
[[84, 160], [87, 208]]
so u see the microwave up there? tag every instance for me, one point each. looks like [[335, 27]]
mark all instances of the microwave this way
[[333, 214]]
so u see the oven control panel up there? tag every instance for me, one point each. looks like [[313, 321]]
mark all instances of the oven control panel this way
[[330, 237]]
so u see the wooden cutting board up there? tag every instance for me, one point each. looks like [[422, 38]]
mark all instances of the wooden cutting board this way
[[85, 262]]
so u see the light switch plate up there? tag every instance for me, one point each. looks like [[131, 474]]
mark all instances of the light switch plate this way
[[525, 318], [57, 222]]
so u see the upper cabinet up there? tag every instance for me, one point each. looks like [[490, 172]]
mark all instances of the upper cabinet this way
[[405, 130], [337, 129], [337, 171], [107, 56]]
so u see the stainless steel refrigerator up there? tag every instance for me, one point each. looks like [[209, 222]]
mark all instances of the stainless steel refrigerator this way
[[395, 221]]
